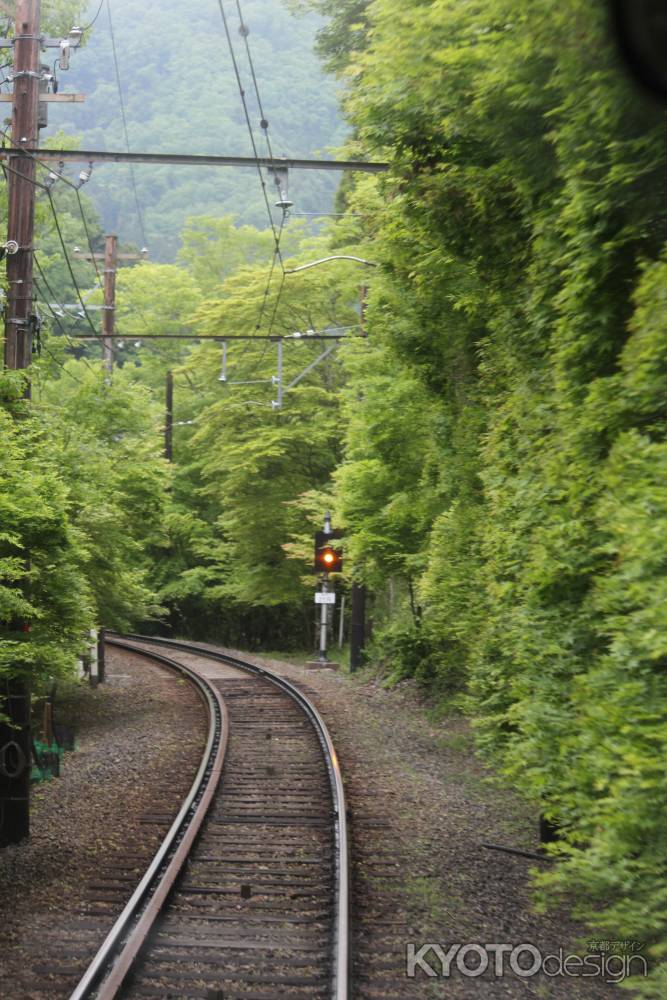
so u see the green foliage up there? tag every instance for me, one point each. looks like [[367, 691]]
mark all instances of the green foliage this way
[[40, 557], [106, 444], [344, 33], [213, 248], [521, 311], [81, 491]]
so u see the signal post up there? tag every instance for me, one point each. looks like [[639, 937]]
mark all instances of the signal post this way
[[328, 559]]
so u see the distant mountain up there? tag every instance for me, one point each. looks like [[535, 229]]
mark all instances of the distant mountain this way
[[180, 94]]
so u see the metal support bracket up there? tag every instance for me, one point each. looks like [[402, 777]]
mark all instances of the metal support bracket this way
[[313, 364], [223, 371], [278, 379]]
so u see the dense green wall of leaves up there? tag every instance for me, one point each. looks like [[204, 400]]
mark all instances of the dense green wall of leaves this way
[[519, 327]]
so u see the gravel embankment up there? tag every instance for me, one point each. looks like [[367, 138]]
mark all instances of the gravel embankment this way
[[94, 830]]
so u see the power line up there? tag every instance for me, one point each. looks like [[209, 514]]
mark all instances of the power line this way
[[99, 11], [61, 365], [45, 165], [90, 243], [247, 118], [69, 264], [264, 124], [124, 120], [69, 183], [54, 313]]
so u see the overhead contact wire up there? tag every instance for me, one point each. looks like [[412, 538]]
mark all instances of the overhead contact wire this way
[[90, 242], [54, 314], [99, 11], [69, 265], [124, 120]]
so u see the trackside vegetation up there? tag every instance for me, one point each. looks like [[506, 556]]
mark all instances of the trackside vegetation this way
[[495, 449], [519, 326]]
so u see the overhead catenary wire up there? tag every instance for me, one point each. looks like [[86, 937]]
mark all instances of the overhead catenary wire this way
[[246, 112], [54, 314], [69, 264], [267, 290], [264, 122], [88, 239], [121, 101], [277, 234], [99, 11], [61, 365]]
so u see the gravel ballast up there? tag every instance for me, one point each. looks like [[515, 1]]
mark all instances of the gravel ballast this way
[[93, 830]]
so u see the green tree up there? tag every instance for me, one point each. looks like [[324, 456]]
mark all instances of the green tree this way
[[522, 235]]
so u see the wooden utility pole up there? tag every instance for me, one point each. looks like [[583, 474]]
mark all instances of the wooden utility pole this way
[[15, 737], [21, 187], [109, 308], [169, 418], [110, 260]]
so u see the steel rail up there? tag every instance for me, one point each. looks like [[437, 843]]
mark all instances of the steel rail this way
[[105, 975], [340, 986]]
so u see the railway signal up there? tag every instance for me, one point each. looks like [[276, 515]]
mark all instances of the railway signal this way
[[328, 559]]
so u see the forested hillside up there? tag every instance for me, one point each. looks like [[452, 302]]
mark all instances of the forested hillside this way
[[179, 94], [494, 449]]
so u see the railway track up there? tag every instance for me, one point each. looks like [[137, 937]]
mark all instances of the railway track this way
[[247, 897]]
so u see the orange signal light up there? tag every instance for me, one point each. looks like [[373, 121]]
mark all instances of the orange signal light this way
[[328, 559]]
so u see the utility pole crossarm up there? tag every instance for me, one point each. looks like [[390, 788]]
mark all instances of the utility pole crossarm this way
[[199, 160], [50, 99]]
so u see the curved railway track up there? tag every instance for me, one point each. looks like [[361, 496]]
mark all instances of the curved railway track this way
[[247, 898]]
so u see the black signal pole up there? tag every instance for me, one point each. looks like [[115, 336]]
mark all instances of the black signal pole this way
[[324, 605], [327, 559], [15, 737]]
